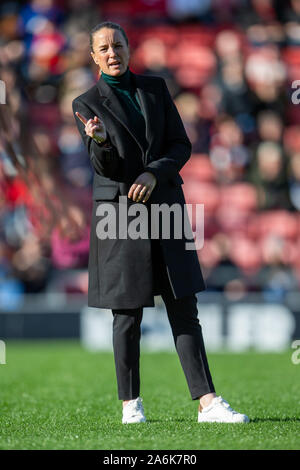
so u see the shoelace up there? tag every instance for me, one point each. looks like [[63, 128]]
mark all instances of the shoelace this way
[[226, 405]]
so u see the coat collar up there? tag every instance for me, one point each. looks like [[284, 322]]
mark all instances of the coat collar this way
[[146, 98]]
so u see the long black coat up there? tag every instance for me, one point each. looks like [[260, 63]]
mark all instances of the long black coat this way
[[120, 271]]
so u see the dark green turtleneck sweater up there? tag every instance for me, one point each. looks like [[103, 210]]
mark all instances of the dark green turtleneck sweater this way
[[124, 86]]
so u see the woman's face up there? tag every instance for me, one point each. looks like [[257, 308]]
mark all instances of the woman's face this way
[[111, 52]]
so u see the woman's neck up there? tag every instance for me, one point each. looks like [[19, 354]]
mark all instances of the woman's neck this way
[[119, 81]]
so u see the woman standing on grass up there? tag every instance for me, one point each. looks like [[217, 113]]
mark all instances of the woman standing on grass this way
[[137, 146]]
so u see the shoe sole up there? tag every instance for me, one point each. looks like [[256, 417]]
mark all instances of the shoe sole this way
[[222, 421], [133, 422]]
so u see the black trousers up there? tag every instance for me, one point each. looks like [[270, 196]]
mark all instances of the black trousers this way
[[187, 333]]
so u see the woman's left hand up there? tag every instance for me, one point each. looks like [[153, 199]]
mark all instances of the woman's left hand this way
[[142, 188]]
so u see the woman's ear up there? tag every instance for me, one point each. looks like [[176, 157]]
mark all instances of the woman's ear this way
[[94, 58]]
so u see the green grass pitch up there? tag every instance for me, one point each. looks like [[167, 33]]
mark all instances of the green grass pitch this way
[[56, 395]]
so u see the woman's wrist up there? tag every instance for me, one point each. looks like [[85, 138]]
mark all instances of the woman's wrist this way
[[99, 140]]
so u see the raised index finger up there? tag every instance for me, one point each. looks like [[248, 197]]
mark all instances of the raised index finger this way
[[82, 118]]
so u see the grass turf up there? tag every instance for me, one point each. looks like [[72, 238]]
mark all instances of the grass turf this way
[[56, 395]]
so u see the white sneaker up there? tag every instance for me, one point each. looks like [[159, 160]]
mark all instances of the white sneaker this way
[[219, 411], [133, 412]]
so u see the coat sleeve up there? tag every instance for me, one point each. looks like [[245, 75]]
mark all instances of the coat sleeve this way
[[104, 157], [177, 148]]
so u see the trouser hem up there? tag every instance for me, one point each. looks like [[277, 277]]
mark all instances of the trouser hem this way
[[196, 396], [126, 398]]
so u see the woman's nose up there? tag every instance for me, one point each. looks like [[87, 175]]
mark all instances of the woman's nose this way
[[112, 52]]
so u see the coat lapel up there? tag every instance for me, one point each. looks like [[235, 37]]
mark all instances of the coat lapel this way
[[146, 97]]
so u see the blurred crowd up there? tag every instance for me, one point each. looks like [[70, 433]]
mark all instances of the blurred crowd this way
[[231, 67]]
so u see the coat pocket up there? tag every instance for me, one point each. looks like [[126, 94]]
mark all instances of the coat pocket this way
[[105, 193]]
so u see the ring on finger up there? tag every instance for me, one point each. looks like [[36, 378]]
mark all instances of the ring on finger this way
[[141, 193]]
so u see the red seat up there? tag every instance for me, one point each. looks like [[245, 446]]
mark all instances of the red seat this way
[[209, 255], [199, 168], [291, 138], [167, 34], [197, 35], [202, 193], [280, 223], [241, 195], [291, 55], [245, 253], [232, 219], [193, 55]]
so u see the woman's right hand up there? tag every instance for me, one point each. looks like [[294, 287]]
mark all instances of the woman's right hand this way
[[94, 128]]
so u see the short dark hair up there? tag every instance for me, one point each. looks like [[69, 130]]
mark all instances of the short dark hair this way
[[107, 24]]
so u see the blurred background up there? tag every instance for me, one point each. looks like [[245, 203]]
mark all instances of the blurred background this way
[[230, 67]]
